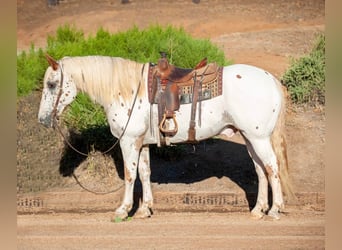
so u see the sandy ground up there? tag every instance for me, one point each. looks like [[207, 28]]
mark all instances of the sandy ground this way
[[262, 33], [171, 231]]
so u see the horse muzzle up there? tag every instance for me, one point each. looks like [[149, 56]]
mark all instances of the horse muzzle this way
[[46, 121]]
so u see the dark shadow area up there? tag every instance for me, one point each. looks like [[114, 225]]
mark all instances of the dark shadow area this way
[[94, 139], [188, 164], [183, 163]]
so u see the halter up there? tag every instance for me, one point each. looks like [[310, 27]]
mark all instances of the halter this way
[[54, 110], [55, 118]]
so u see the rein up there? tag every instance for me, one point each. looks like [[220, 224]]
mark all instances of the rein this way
[[55, 124]]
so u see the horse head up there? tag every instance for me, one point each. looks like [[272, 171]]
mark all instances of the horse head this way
[[58, 92]]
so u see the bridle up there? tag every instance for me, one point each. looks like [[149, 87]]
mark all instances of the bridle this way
[[54, 110], [55, 118], [55, 125]]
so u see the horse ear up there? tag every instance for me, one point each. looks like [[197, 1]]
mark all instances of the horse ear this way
[[53, 63]]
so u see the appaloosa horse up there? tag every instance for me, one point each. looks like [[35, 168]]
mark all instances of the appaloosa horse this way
[[251, 102]]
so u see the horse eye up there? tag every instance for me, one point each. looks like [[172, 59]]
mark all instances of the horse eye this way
[[51, 85]]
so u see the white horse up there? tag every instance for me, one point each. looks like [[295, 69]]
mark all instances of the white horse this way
[[252, 103]]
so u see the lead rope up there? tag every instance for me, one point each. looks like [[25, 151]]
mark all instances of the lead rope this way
[[86, 155]]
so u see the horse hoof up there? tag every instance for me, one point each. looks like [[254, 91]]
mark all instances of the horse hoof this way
[[257, 215], [143, 213], [120, 215], [273, 215]]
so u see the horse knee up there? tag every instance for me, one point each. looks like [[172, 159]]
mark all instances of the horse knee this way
[[144, 174], [272, 171], [130, 175], [144, 171]]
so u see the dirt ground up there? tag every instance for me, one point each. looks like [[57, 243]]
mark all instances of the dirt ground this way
[[265, 33], [170, 231]]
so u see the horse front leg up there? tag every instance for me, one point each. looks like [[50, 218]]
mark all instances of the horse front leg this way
[[144, 169], [130, 151]]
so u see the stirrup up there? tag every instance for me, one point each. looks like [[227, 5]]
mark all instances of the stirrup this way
[[170, 132]]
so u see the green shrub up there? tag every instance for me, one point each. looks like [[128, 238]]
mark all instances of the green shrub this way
[[31, 66], [135, 44], [305, 79]]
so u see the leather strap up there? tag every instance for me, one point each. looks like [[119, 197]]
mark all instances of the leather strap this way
[[192, 125], [197, 90]]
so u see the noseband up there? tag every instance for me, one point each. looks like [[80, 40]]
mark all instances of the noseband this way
[[54, 110]]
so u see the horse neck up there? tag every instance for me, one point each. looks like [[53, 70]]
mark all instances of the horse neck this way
[[105, 79]]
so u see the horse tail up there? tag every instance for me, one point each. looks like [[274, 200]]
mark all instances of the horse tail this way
[[278, 140]]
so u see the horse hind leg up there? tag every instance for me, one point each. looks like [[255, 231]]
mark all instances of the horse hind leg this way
[[261, 205], [266, 165]]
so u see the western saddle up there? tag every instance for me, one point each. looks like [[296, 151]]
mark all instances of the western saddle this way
[[166, 88]]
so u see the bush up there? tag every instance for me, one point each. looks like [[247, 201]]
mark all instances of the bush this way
[[31, 66], [135, 44], [305, 79]]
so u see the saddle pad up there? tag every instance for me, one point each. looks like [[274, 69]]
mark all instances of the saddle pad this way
[[209, 89]]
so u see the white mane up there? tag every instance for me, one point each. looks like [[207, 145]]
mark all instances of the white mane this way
[[105, 79]]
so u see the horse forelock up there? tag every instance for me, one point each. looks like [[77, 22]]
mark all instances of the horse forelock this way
[[105, 79]]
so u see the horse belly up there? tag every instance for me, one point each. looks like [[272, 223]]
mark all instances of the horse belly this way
[[209, 121]]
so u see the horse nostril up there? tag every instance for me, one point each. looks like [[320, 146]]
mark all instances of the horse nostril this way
[[44, 121]]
